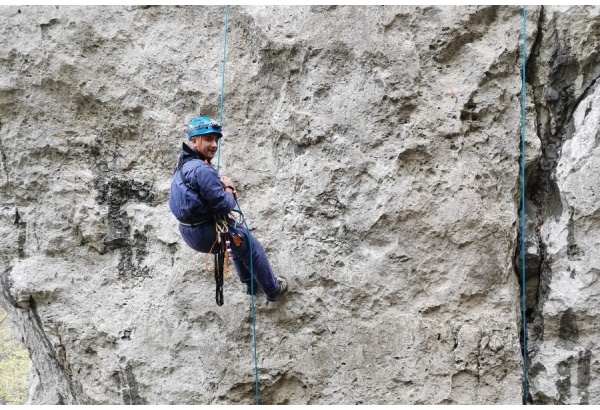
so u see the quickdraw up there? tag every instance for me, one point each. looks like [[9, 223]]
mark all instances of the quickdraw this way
[[224, 252], [221, 257], [219, 264]]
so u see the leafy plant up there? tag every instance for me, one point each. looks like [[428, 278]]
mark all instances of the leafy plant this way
[[14, 365]]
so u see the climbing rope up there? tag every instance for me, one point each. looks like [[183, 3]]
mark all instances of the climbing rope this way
[[249, 238], [222, 86], [239, 210], [523, 295]]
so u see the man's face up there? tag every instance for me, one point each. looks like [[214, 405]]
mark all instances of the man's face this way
[[207, 145]]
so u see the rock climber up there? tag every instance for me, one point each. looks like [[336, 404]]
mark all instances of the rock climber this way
[[198, 198]]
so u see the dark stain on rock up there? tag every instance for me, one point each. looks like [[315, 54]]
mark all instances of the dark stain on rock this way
[[116, 192], [468, 112], [125, 334], [3, 159], [52, 22], [133, 255], [536, 370], [140, 239], [542, 190], [573, 251], [118, 229], [126, 381], [568, 329], [583, 375], [22, 236]]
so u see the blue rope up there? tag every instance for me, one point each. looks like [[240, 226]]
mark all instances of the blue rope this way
[[222, 86], [249, 238], [524, 295]]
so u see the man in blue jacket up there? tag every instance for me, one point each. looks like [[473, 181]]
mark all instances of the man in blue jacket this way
[[198, 198]]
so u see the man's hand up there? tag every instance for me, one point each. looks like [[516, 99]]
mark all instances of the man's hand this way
[[226, 181], [228, 186]]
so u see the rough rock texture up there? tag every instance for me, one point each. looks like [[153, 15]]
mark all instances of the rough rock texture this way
[[564, 208], [376, 151]]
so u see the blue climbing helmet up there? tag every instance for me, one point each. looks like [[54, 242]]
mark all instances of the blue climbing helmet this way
[[203, 126]]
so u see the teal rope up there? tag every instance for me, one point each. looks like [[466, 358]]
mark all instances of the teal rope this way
[[238, 205], [249, 238], [222, 86], [524, 295]]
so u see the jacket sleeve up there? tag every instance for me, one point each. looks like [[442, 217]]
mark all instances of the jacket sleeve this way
[[209, 186]]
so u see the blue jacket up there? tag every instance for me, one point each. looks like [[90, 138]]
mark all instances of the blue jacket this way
[[203, 196]]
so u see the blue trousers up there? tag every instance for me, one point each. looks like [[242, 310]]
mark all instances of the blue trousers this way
[[201, 238]]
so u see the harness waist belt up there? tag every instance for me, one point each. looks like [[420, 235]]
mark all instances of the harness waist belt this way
[[198, 223]]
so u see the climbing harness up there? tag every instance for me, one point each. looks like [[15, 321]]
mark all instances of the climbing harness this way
[[523, 295]]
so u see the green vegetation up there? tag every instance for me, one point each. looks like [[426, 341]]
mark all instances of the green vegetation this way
[[14, 365]]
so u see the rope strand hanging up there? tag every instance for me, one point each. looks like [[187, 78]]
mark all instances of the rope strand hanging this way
[[222, 85], [248, 237]]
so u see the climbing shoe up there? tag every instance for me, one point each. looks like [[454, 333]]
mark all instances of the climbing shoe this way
[[283, 287]]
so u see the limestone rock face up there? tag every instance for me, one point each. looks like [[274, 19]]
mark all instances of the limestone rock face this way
[[564, 198], [376, 151]]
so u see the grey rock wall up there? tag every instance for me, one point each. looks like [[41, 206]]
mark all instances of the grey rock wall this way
[[564, 208], [376, 151]]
